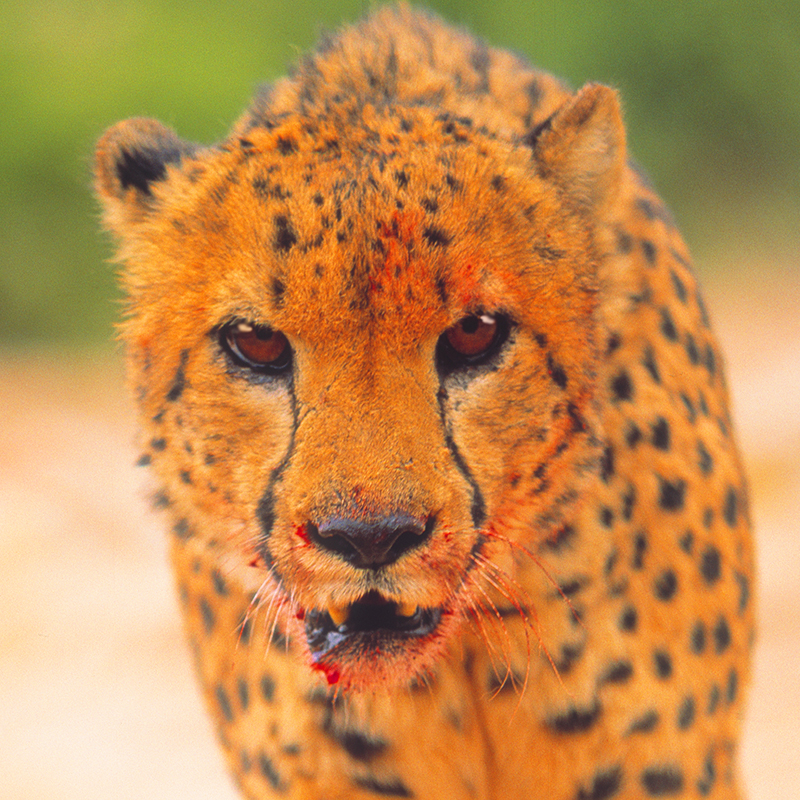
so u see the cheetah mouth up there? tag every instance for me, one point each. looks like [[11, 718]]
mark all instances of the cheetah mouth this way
[[371, 624]]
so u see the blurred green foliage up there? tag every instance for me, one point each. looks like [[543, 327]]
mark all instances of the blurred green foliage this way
[[711, 91]]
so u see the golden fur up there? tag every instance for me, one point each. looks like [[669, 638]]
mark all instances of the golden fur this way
[[574, 622]]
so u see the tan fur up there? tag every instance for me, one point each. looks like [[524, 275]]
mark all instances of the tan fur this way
[[587, 547]]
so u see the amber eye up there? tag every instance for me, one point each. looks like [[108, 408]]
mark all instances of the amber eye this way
[[472, 335], [257, 346], [471, 341]]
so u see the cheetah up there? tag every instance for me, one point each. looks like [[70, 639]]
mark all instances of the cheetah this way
[[441, 431]]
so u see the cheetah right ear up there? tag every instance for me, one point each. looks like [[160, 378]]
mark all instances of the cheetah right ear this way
[[581, 146], [130, 159]]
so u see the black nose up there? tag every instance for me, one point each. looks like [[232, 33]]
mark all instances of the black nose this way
[[370, 544]]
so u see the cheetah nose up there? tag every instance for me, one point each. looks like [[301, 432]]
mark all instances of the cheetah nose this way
[[370, 544]]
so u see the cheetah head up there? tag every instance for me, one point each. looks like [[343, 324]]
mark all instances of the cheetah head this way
[[365, 356]]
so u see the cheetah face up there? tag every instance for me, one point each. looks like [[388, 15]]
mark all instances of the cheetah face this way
[[342, 342]]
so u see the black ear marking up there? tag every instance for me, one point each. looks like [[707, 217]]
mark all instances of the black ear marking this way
[[140, 168], [135, 154]]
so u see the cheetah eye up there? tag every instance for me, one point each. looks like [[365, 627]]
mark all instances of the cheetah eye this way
[[473, 340], [256, 346]]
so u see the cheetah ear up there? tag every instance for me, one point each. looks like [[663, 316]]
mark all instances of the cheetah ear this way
[[582, 146], [130, 158]]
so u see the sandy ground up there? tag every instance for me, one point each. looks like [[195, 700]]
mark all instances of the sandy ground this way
[[97, 696]]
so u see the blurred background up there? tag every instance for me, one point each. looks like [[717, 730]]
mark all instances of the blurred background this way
[[96, 692]]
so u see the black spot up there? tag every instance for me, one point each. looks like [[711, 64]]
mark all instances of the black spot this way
[[436, 236], [179, 381], [710, 565], [672, 494], [401, 178], [605, 785], [186, 477], [709, 776], [267, 687], [649, 250], [285, 237], [498, 183], [697, 638], [144, 460], [619, 672], [679, 286], [663, 664], [628, 502], [621, 386], [360, 746], [668, 325], [278, 290], [607, 463], [733, 686], [744, 591], [644, 724], [690, 412], [713, 699], [224, 703], [661, 434], [219, 583], [628, 619], [181, 528], [686, 542], [661, 781], [639, 549], [158, 444], [721, 634], [243, 691], [686, 713], [730, 508], [575, 720], [649, 362], [392, 787], [286, 145], [691, 349], [665, 585], [632, 434], [606, 517], [207, 614], [570, 588], [267, 769], [624, 242], [704, 459], [245, 629], [562, 539], [710, 359], [708, 518], [570, 653], [556, 372], [430, 204]]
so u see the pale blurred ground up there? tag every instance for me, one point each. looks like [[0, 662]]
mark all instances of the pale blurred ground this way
[[97, 696]]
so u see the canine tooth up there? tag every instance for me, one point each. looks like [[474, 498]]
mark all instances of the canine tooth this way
[[338, 614], [406, 609]]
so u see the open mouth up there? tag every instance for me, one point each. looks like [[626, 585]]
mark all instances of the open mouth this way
[[369, 624]]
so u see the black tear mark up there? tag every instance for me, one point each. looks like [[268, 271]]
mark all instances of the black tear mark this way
[[478, 507], [179, 381]]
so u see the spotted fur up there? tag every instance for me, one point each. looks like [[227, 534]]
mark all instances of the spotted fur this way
[[405, 572]]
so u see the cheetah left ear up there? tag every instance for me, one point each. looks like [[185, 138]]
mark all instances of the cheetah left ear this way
[[130, 159], [581, 146]]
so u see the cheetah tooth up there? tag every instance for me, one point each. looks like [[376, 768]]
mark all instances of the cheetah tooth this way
[[338, 614], [407, 609]]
